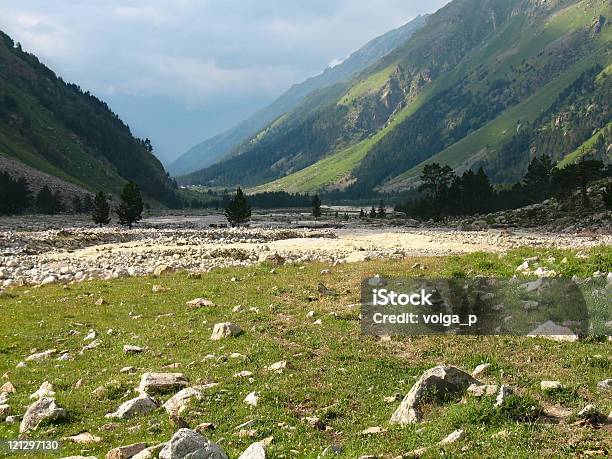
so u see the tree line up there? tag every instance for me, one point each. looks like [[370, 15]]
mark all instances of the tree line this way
[[445, 194]]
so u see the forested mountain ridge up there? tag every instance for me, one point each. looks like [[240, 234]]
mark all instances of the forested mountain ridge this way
[[454, 92], [227, 143], [59, 129]]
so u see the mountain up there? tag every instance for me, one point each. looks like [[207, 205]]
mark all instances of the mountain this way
[[215, 148], [464, 90], [56, 128]]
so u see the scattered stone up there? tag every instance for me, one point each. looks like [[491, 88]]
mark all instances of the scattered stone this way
[[417, 452], [181, 399], [546, 386], [481, 390], [83, 438], [163, 269], [126, 452], [606, 384], [323, 290], [332, 450], [94, 344], [45, 390], [274, 259], [41, 355], [204, 427], [278, 366], [186, 443], [255, 451], [243, 374], [162, 382], [100, 302], [13, 419], [90, 336], [129, 349], [310, 314], [8, 388], [159, 288], [393, 398], [314, 422], [441, 380], [128, 370], [452, 437], [252, 399], [373, 430], [505, 391], [225, 330], [590, 412], [554, 332], [4, 397], [99, 393], [45, 409], [150, 453], [5, 411], [199, 303], [481, 370], [143, 404]]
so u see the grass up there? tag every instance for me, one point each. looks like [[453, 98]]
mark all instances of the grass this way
[[583, 149], [336, 373]]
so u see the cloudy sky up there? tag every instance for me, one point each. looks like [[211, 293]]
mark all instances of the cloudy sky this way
[[180, 71]]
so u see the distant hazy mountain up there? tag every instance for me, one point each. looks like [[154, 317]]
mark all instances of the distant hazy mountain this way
[[58, 129], [214, 149], [483, 83]]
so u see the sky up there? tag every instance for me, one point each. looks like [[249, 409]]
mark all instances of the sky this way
[[181, 71]]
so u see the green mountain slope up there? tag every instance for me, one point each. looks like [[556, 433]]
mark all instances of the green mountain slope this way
[[58, 129], [215, 148], [454, 93]]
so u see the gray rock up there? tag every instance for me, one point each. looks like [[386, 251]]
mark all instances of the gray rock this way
[[452, 437], [550, 385], [225, 330], [162, 382], [45, 409], [126, 452], [150, 453], [41, 355], [181, 399], [13, 419], [255, 451], [5, 411], [481, 390], [187, 444], [481, 370], [440, 380], [143, 404], [552, 331], [606, 384], [589, 412], [199, 303], [129, 349], [504, 392]]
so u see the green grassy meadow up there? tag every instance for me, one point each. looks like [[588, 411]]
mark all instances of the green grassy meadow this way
[[335, 373]]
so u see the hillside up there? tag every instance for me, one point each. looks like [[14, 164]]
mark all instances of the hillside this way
[[456, 92], [58, 129], [215, 148]]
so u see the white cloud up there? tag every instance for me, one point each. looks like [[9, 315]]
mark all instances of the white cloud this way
[[196, 52]]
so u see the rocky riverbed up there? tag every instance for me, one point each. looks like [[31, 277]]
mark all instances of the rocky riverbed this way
[[35, 251]]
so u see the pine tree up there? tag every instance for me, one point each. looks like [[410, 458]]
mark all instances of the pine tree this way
[[14, 194], [316, 207], [373, 212], [131, 207], [381, 212], [101, 215], [238, 210], [361, 213]]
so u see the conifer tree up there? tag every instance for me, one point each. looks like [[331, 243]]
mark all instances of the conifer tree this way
[[238, 210], [381, 212], [316, 207], [101, 215], [131, 207]]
